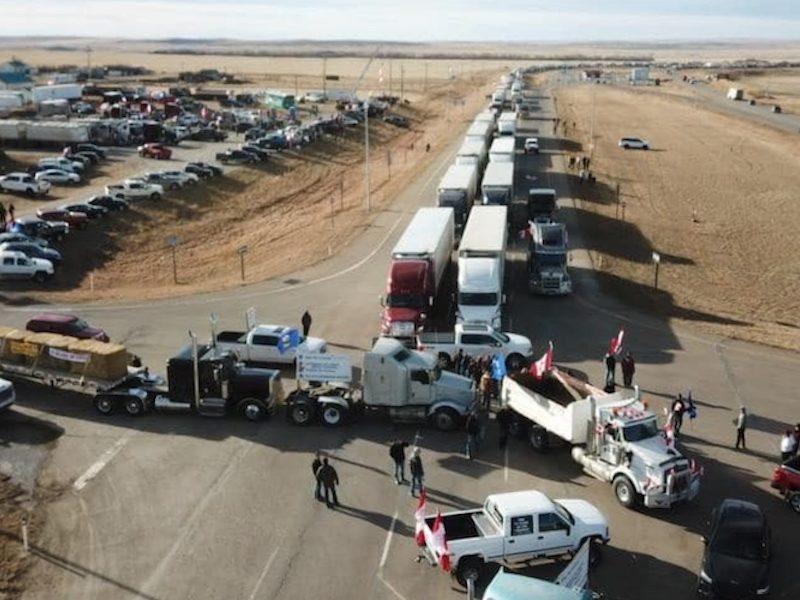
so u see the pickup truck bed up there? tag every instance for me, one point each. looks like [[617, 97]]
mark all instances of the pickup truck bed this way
[[437, 337], [465, 525], [232, 337]]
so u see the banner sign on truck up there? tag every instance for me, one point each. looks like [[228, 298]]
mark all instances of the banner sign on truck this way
[[68, 356], [324, 367], [24, 348]]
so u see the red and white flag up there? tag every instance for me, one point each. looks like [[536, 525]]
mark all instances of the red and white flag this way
[[419, 518], [669, 435], [544, 364], [439, 543], [616, 343]]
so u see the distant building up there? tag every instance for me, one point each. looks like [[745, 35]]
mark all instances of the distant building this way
[[15, 81], [17, 66]]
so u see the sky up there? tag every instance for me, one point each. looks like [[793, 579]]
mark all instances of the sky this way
[[407, 20]]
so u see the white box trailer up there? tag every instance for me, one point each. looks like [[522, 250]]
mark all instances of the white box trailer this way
[[57, 133], [480, 131], [507, 124], [66, 91], [11, 130], [503, 149], [487, 115], [458, 189], [11, 100], [473, 152], [429, 236], [497, 187]]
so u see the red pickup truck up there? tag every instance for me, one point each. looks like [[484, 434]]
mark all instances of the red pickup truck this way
[[786, 479]]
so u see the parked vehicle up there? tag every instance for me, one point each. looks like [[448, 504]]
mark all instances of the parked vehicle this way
[[33, 250], [9, 236], [737, 554], [17, 265], [406, 385], [634, 143], [38, 228], [153, 150], [473, 152], [57, 176], [239, 157], [90, 210], [397, 121], [420, 261], [81, 159], [480, 131], [267, 344], [65, 324], [516, 527], [135, 189], [202, 169], [22, 183], [541, 204], [511, 586], [85, 147], [547, 259], [209, 134], [160, 178], [477, 340], [259, 152], [92, 157], [497, 187], [63, 163], [614, 437], [786, 479], [457, 190], [532, 145], [109, 203], [73, 219], [7, 395]]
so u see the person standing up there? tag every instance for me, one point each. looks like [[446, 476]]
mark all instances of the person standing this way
[[741, 426], [788, 445], [11, 212], [398, 453], [485, 387], [458, 361], [330, 479], [678, 408], [611, 371], [417, 472], [3, 214], [473, 427], [504, 423], [305, 320], [628, 366], [315, 467], [796, 434]]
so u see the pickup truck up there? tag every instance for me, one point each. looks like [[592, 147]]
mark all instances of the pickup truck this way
[[17, 265], [135, 189], [476, 339], [23, 183], [517, 527], [267, 344]]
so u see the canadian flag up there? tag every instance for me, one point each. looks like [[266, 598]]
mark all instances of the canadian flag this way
[[439, 543], [669, 436], [419, 518], [616, 343], [544, 364]]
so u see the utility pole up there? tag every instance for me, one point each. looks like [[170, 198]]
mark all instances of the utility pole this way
[[402, 73], [366, 156], [594, 114], [295, 87], [88, 62], [425, 82], [390, 76], [324, 75]]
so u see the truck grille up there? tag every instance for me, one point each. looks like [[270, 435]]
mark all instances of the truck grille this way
[[551, 283]]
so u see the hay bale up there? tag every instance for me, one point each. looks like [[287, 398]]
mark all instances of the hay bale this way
[[50, 340], [108, 361], [14, 341]]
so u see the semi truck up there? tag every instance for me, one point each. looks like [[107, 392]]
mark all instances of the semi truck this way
[[473, 152], [481, 131], [541, 204], [503, 149], [497, 187], [507, 124], [65, 91], [404, 384], [614, 437], [481, 267], [457, 190], [419, 267], [547, 259]]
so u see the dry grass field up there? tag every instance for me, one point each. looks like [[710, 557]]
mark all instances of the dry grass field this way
[[716, 197]]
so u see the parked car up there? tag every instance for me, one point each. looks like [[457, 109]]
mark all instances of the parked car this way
[[63, 163], [159, 178], [16, 265], [259, 152], [86, 147], [9, 236], [33, 250], [38, 228], [92, 157], [157, 151], [237, 157], [737, 555], [135, 189], [202, 169], [90, 210], [57, 176], [634, 143], [182, 177], [532, 145], [74, 219], [109, 202], [396, 120], [786, 479], [24, 184], [254, 133], [65, 324], [80, 158], [209, 134]]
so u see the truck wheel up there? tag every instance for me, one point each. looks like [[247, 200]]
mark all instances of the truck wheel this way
[[253, 410], [40, 277], [624, 491], [595, 552], [134, 407], [104, 405], [538, 439], [300, 413], [794, 502], [29, 192], [468, 568], [514, 362], [445, 419], [155, 196], [332, 415], [445, 362]]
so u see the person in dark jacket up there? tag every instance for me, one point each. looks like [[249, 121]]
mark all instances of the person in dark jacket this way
[[398, 453], [504, 423], [628, 369], [315, 467], [305, 320], [417, 472], [678, 408], [473, 427], [330, 479], [611, 372]]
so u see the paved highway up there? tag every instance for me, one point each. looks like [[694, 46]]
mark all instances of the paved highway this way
[[182, 507]]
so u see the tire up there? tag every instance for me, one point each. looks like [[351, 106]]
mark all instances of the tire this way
[[645, 147], [300, 413], [134, 407], [468, 568], [40, 276], [595, 551], [29, 192], [538, 439], [794, 502], [332, 415], [624, 491], [514, 362], [104, 405], [155, 196], [445, 362], [625, 146], [253, 410], [445, 419]]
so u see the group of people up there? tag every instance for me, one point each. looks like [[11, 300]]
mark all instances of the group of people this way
[[479, 369], [6, 215], [790, 443], [397, 452], [628, 366]]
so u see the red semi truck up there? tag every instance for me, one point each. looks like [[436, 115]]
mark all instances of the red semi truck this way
[[419, 262]]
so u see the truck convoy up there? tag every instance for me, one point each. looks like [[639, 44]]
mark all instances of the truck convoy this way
[[507, 124], [517, 527], [476, 339], [473, 152], [406, 385], [457, 190], [481, 131], [503, 149], [420, 262], [481, 267], [614, 437], [497, 187], [547, 259]]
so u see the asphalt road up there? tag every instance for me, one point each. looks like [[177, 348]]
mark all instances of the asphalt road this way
[[183, 507]]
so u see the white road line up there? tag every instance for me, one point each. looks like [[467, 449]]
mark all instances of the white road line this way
[[391, 587], [264, 573], [388, 541], [105, 458]]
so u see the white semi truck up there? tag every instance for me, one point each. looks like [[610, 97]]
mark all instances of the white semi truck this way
[[457, 190], [507, 124], [497, 187], [473, 152], [481, 131], [614, 437], [503, 149]]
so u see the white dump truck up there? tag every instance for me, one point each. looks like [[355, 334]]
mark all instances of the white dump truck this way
[[614, 437]]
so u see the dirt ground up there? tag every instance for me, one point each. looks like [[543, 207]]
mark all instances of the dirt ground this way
[[13, 562], [715, 197]]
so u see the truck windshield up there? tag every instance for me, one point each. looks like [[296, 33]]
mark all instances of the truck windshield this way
[[452, 198], [642, 430], [551, 260], [495, 196], [477, 299], [405, 301], [564, 513]]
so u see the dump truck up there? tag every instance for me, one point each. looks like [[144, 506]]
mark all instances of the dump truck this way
[[614, 436]]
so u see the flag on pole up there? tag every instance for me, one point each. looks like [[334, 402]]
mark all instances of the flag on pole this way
[[419, 519], [669, 436], [616, 343], [544, 364], [289, 339], [439, 543]]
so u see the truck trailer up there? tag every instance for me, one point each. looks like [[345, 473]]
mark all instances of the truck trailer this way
[[507, 124], [65, 91], [473, 152], [497, 187], [503, 149], [457, 190]]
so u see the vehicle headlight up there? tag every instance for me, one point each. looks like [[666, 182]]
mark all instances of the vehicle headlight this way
[[762, 591], [705, 576]]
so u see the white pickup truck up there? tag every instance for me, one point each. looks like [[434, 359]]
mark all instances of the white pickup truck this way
[[135, 189], [268, 344], [17, 265], [22, 183], [476, 339], [517, 527]]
